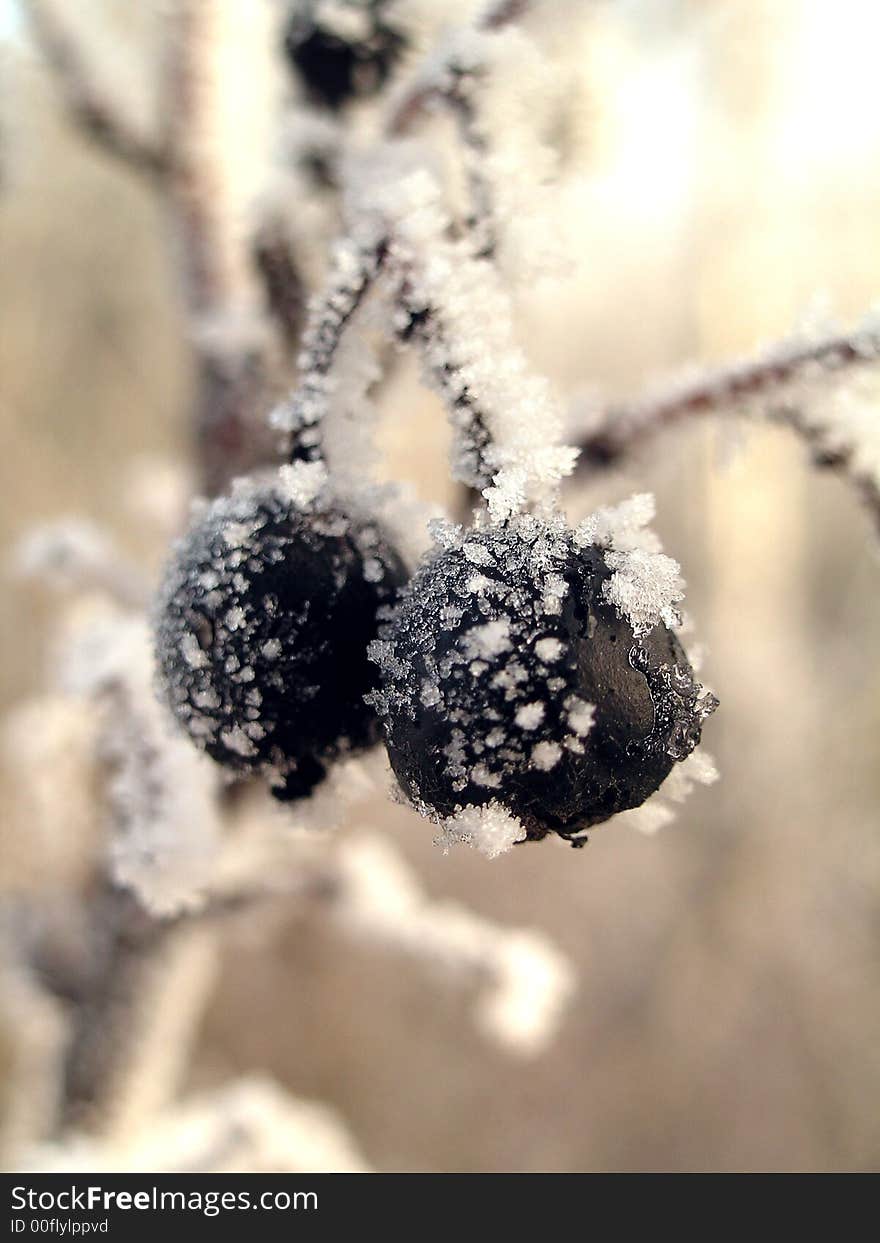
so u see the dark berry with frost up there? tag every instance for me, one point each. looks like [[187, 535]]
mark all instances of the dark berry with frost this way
[[262, 626], [510, 677], [341, 50]]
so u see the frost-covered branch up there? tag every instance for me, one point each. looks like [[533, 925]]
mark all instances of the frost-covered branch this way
[[76, 555], [452, 76], [506, 419], [250, 1124], [439, 78], [89, 101], [159, 803], [354, 268], [810, 385]]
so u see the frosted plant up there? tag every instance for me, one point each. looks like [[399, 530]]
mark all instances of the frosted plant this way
[[527, 678], [251, 1124]]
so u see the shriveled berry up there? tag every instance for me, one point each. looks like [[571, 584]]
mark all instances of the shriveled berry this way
[[262, 626], [341, 50], [510, 678]]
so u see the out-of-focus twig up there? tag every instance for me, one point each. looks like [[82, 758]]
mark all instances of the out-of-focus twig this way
[[89, 101], [427, 89], [232, 338], [133, 1029], [769, 382], [232, 342], [127, 942], [282, 282], [78, 555]]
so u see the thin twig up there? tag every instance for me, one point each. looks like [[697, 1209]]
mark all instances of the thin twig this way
[[727, 390], [282, 282], [424, 92], [475, 148], [127, 944], [354, 272], [469, 421], [234, 374], [235, 380], [89, 102]]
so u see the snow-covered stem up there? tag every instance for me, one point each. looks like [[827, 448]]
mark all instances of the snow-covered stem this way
[[354, 269], [457, 86], [507, 420], [480, 220], [89, 102], [775, 382], [425, 328], [139, 920], [439, 86]]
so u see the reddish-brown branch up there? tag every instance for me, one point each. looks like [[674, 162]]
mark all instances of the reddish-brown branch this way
[[235, 381], [766, 379]]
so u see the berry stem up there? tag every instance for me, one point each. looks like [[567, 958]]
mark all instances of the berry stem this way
[[355, 268], [424, 326]]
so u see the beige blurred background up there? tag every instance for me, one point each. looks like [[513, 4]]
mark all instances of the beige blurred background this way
[[728, 1013]]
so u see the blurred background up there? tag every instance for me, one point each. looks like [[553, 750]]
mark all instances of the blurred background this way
[[720, 181]]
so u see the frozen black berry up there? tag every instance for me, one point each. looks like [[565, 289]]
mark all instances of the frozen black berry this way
[[342, 49], [509, 677], [262, 627]]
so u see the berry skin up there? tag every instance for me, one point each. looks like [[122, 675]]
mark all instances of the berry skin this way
[[507, 677], [262, 626], [338, 63]]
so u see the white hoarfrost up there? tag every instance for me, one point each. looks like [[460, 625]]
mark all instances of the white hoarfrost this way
[[530, 715], [580, 715], [646, 585], [489, 829], [821, 382], [546, 755], [645, 588], [507, 420], [303, 482], [332, 412], [487, 641]]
